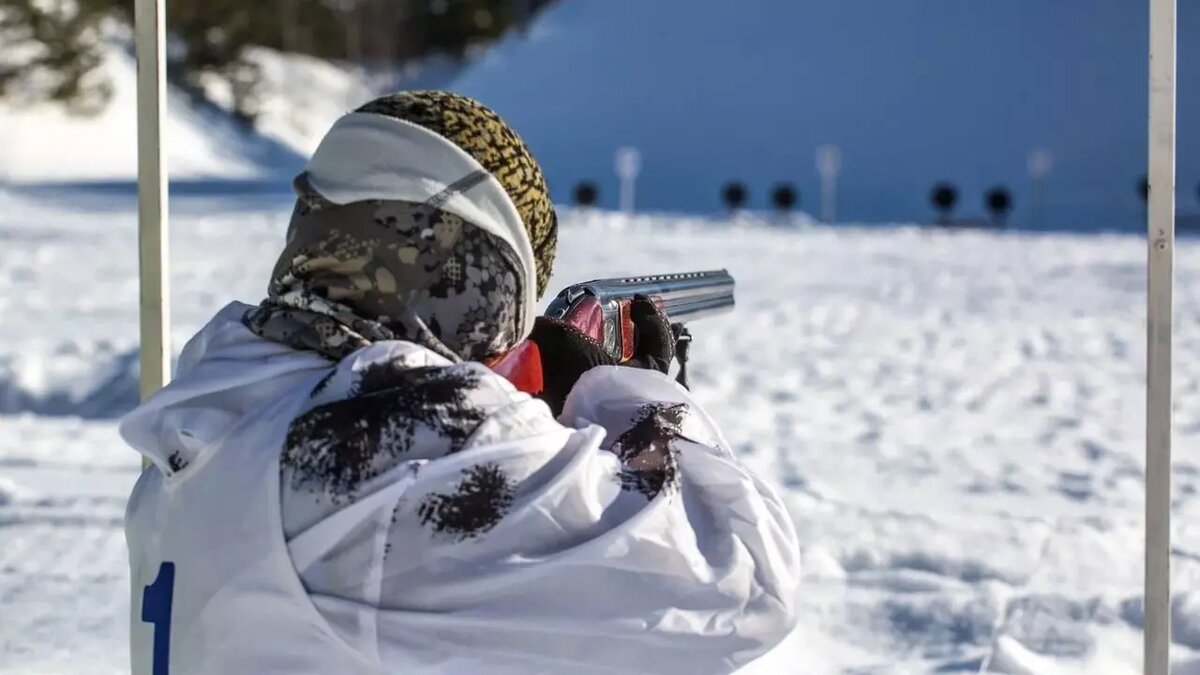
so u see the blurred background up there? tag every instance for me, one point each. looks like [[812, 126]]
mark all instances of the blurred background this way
[[934, 210], [1027, 112]]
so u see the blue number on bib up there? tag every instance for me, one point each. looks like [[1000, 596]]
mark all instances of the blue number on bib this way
[[156, 609]]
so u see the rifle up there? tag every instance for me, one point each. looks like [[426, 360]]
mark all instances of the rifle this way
[[601, 309]]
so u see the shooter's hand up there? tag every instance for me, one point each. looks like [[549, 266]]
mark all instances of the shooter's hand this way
[[653, 339], [567, 352]]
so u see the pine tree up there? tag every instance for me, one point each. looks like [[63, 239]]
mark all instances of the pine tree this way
[[51, 51], [53, 48]]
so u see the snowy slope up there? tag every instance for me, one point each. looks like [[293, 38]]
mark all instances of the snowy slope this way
[[955, 420], [913, 91], [300, 98], [45, 143]]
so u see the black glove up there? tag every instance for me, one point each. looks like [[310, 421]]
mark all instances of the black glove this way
[[568, 353], [653, 339]]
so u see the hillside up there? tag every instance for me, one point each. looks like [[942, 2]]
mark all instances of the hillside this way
[[301, 97]]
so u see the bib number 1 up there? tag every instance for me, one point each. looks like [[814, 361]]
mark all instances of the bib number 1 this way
[[156, 610]]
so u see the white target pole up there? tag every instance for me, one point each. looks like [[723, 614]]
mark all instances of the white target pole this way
[[154, 315], [829, 165], [1160, 223], [628, 164]]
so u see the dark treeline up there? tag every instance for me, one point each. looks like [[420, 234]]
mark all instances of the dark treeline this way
[[51, 49]]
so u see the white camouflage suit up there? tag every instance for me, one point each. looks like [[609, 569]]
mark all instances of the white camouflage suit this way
[[400, 511]]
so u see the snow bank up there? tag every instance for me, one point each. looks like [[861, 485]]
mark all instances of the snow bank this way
[[45, 143], [300, 96]]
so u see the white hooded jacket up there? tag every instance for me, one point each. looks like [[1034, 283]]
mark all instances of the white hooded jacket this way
[[397, 513]]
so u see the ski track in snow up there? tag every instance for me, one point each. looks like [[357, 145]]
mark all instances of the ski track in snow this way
[[954, 418]]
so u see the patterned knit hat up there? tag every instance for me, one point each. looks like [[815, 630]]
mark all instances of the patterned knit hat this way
[[482, 134]]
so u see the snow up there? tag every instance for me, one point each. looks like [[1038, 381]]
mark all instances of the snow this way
[[301, 97], [912, 92], [954, 418], [1185, 618], [1010, 657]]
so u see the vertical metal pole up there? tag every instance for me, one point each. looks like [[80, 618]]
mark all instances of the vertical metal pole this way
[[1160, 223], [154, 315]]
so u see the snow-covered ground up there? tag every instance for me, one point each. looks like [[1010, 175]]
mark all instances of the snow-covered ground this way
[[955, 419]]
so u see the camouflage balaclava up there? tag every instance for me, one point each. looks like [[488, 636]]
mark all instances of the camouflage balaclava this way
[[422, 216]]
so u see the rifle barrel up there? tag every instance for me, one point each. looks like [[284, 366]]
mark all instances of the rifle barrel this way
[[685, 297]]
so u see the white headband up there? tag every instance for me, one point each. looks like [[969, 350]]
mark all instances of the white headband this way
[[371, 156]]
